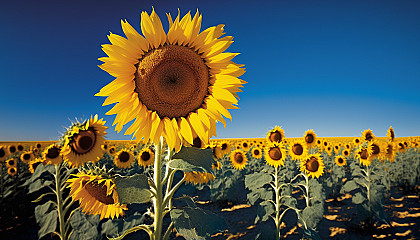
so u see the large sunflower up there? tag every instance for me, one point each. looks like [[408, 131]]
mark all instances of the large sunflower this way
[[275, 153], [96, 195], [275, 135], [298, 149], [4, 153], [175, 84], [82, 142], [146, 157], [124, 158], [312, 165], [238, 159], [52, 155], [390, 134], [310, 138]]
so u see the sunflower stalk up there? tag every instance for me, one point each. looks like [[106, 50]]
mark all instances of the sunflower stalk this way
[[60, 204], [158, 199]]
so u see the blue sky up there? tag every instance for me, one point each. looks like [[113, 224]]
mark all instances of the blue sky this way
[[337, 67]]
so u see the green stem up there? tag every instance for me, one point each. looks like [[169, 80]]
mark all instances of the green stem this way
[[158, 199], [277, 220], [2, 181], [307, 190], [59, 201]]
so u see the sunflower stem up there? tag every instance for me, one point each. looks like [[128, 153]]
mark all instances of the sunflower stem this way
[[158, 199], [59, 201], [2, 181], [278, 234]]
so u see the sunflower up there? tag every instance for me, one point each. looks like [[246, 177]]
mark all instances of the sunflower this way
[[376, 148], [96, 195], [367, 135], [4, 153], [275, 153], [198, 143], [345, 152], [390, 134], [52, 155], [401, 147], [12, 149], [312, 165], [11, 163], [34, 164], [245, 145], [256, 153], [325, 144], [175, 84], [310, 138], [26, 157], [298, 149], [390, 152], [225, 146], [363, 154], [111, 150], [238, 159], [216, 166], [275, 135], [20, 147], [329, 150], [347, 146], [83, 142], [12, 171], [146, 157], [198, 177], [336, 148], [104, 147], [340, 160], [124, 159], [38, 145], [356, 141], [217, 151]]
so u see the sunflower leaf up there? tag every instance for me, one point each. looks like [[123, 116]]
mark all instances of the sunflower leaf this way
[[46, 217], [190, 159], [133, 189], [196, 223]]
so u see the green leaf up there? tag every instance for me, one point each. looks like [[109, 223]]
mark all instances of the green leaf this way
[[84, 226], [312, 234], [38, 184], [349, 186], [190, 159], [133, 189], [196, 223], [257, 180], [265, 209], [358, 198], [313, 215], [46, 217]]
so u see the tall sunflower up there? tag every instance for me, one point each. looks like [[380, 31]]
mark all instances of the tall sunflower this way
[[175, 84], [238, 159], [275, 135], [82, 142], [4, 153], [310, 138], [124, 158], [363, 154], [146, 157], [312, 165], [390, 152], [390, 134], [52, 154], [275, 153], [298, 149], [96, 195]]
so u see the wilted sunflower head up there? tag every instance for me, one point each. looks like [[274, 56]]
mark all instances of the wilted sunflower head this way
[[275, 135], [82, 142], [4, 153], [52, 154], [175, 84], [313, 165], [367, 135], [310, 138], [376, 148], [390, 134], [124, 158], [298, 149], [238, 159], [340, 160], [146, 157], [390, 152], [275, 153]]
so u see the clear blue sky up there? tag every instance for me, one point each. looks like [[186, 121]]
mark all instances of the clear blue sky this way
[[337, 67]]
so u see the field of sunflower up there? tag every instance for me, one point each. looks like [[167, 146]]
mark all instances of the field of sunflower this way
[[172, 181]]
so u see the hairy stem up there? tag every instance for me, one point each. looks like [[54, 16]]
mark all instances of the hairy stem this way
[[158, 199], [59, 201]]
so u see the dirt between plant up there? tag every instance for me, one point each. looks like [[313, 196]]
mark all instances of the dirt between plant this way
[[402, 207]]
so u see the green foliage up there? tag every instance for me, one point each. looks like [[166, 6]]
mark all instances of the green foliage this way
[[133, 189], [190, 159], [84, 226], [46, 216], [405, 171]]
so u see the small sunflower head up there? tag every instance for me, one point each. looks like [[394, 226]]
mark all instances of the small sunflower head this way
[[275, 154], [390, 134], [146, 157], [124, 158], [310, 138], [26, 157], [298, 149], [12, 171], [4, 153], [256, 153], [340, 160], [238, 159]]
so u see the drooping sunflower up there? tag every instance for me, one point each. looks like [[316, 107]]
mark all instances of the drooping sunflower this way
[[367, 135], [245, 145], [198, 143], [12, 171], [146, 157], [52, 155], [275, 135], [390, 134], [26, 157], [401, 147], [4, 153], [96, 195], [390, 152], [82, 142], [11, 163], [12, 149], [198, 177], [238, 159], [34, 163], [363, 154], [377, 149], [313, 165], [298, 149], [256, 153], [124, 158], [275, 153], [345, 152], [310, 138], [175, 84], [340, 160]]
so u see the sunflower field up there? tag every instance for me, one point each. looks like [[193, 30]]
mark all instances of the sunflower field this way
[[174, 180]]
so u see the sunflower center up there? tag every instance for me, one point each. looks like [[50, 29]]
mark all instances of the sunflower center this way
[[20, 147], [392, 135], [375, 149], [197, 142], [297, 149], [275, 154], [145, 156], [257, 152], [2, 152], [346, 152], [38, 145], [11, 162], [53, 152], [26, 156], [98, 191], [340, 160], [368, 136], [12, 170], [224, 146], [84, 141], [312, 164], [309, 138], [363, 154], [389, 150], [112, 150], [275, 136], [124, 157], [239, 158], [245, 145], [12, 149], [172, 80]]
